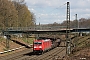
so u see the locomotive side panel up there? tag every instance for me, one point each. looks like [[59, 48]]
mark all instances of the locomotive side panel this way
[[47, 44]]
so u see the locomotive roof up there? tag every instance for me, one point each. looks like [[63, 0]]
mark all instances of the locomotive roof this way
[[43, 38], [38, 40]]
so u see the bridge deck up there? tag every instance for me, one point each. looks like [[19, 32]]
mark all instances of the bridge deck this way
[[45, 31]]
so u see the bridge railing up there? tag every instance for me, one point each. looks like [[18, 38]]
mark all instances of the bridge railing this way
[[37, 28]]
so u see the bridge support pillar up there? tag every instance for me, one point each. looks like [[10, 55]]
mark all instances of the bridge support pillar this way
[[81, 34]]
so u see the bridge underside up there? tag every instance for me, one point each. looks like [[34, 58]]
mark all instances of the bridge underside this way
[[43, 31], [33, 32]]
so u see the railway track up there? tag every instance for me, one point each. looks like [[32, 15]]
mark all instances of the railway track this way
[[17, 55], [59, 51], [28, 55], [51, 55]]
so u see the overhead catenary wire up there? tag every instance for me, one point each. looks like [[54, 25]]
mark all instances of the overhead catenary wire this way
[[59, 7], [55, 9]]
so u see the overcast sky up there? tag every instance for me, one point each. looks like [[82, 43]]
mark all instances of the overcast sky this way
[[50, 11]]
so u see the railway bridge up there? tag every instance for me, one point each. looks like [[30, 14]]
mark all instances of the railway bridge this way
[[44, 30]]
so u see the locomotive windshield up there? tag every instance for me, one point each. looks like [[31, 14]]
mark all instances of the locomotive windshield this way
[[37, 42]]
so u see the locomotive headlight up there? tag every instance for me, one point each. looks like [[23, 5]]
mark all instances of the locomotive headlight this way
[[40, 46], [35, 47]]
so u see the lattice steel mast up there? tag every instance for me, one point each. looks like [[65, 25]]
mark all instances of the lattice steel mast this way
[[68, 40]]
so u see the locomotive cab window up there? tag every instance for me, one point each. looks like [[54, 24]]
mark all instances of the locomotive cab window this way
[[37, 42]]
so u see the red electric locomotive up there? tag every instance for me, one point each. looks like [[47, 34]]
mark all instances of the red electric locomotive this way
[[41, 45]]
